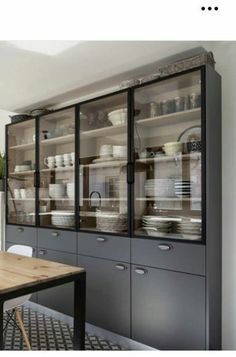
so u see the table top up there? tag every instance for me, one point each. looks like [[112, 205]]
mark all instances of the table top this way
[[18, 271]]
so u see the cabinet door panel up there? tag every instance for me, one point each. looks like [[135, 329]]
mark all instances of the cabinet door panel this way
[[168, 309], [57, 239], [60, 298], [108, 294], [21, 235], [104, 246]]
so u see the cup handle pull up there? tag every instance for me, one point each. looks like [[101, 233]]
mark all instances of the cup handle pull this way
[[55, 234], [101, 239], [141, 271], [20, 229], [120, 267], [165, 247]]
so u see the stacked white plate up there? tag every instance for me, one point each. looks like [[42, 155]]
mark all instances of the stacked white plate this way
[[156, 225], [159, 188], [70, 190], [189, 228], [111, 222], [57, 190], [63, 218], [183, 188]]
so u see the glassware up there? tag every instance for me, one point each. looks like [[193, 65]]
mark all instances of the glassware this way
[[103, 166], [167, 202]]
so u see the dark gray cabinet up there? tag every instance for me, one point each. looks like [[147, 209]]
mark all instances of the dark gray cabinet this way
[[60, 298], [21, 235], [104, 246], [108, 294], [162, 198], [168, 309], [64, 241]]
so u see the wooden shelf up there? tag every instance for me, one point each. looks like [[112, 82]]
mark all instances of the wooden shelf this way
[[21, 199], [173, 118], [23, 147], [65, 139], [103, 132], [22, 173], [59, 169], [165, 158], [104, 199], [114, 163], [56, 199], [174, 199]]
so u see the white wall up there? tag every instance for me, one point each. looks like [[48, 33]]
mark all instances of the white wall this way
[[4, 119]]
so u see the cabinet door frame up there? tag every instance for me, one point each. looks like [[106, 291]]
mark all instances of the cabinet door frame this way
[[202, 70], [6, 176]]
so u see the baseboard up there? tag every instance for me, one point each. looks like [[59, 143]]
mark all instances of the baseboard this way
[[113, 337]]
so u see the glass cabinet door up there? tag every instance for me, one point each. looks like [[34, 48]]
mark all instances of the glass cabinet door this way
[[57, 174], [103, 165], [168, 147], [21, 173]]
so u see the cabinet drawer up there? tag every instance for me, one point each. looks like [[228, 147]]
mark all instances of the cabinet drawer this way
[[189, 258], [21, 235], [104, 246], [60, 298], [57, 239]]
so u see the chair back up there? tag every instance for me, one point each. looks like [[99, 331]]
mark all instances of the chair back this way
[[21, 250]]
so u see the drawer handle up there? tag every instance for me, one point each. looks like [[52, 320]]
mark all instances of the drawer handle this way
[[20, 229], [101, 239], [165, 247], [55, 234], [42, 252], [141, 271], [120, 267]]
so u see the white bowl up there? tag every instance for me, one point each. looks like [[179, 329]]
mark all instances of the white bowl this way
[[105, 150], [120, 151], [118, 117], [173, 148]]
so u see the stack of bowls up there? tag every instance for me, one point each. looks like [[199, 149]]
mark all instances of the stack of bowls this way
[[118, 117], [119, 151], [70, 190], [156, 226], [57, 190], [183, 188], [173, 148], [189, 228]]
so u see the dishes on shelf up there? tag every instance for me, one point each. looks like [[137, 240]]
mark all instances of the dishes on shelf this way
[[191, 137], [105, 151], [57, 190], [156, 225], [173, 148], [160, 188], [63, 218], [189, 228], [59, 161], [183, 188], [111, 221], [118, 117], [22, 168], [70, 190], [178, 227], [119, 151]]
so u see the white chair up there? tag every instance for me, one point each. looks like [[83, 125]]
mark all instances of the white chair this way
[[13, 304]]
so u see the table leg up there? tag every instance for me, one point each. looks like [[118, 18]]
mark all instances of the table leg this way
[[79, 312], [1, 326]]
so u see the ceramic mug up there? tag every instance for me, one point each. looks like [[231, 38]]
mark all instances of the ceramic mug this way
[[23, 193], [67, 159], [49, 161], [59, 160], [72, 154], [17, 194]]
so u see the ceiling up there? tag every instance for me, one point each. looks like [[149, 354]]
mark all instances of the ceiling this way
[[40, 73]]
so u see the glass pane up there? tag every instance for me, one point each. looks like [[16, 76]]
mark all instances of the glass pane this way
[[57, 160], [21, 168], [168, 158], [103, 165]]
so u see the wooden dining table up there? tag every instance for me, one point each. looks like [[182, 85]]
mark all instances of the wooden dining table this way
[[20, 275]]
